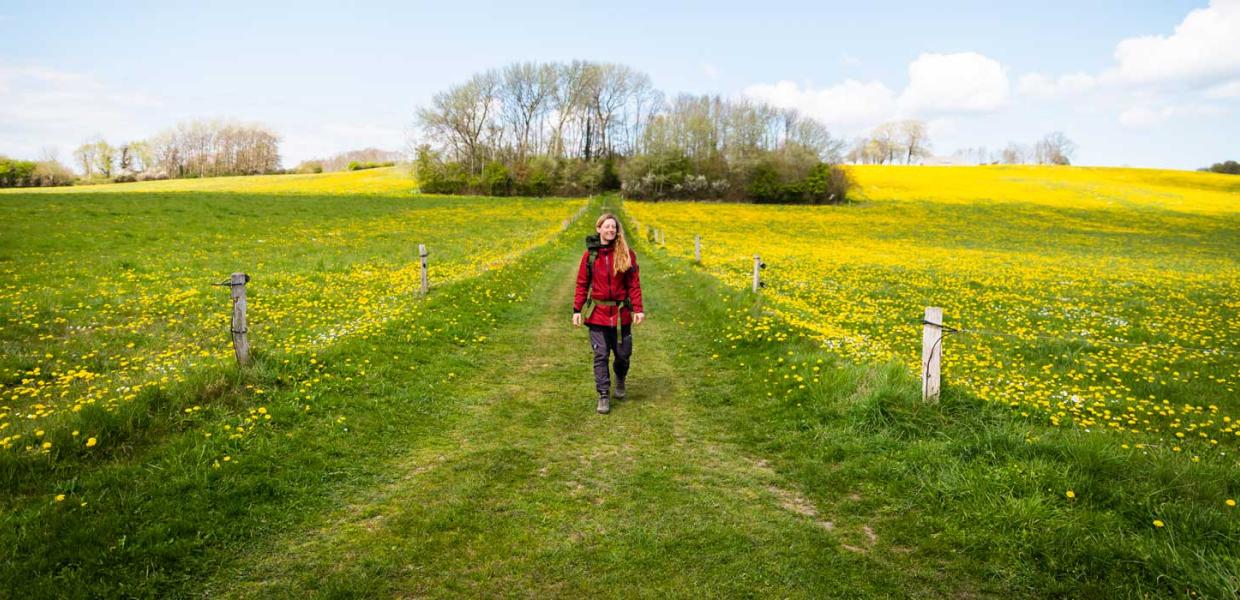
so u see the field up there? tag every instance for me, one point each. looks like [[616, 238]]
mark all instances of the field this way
[[1099, 298], [386, 444], [106, 296]]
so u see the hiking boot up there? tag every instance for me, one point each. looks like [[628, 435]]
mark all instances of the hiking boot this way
[[604, 405], [620, 390]]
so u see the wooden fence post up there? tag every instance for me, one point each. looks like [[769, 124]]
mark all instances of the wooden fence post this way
[[697, 248], [425, 282], [931, 353], [240, 328], [757, 267]]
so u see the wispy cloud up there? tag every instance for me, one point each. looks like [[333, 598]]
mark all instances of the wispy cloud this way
[[41, 107]]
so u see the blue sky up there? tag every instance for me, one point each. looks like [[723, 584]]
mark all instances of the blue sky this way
[[1153, 84]]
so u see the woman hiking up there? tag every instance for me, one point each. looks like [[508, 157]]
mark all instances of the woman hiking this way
[[609, 290]]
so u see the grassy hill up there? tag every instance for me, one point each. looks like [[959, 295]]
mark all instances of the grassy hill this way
[[447, 445], [386, 180]]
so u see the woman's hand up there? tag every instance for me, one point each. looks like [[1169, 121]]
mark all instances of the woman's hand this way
[[638, 318], [576, 319]]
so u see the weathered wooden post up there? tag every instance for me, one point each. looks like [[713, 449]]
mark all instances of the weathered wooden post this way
[[757, 267], [426, 286], [697, 249], [931, 353], [240, 328]]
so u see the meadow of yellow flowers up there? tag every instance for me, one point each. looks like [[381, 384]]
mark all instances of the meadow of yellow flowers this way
[[103, 295], [1105, 299]]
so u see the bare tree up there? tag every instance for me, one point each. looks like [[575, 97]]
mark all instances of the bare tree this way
[[1015, 154], [95, 156], [526, 92], [1054, 149], [460, 117], [568, 103], [914, 139], [84, 157], [208, 148], [887, 138], [815, 136]]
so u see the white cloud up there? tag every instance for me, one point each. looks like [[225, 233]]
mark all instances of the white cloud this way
[[42, 107], [1223, 91], [851, 106], [1037, 84], [710, 70], [965, 82], [939, 85], [1204, 49], [1139, 117]]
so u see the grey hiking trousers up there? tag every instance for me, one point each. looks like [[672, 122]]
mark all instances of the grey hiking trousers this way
[[603, 341]]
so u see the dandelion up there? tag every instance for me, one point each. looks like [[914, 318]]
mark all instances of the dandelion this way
[[1158, 523], [828, 259], [1070, 494], [90, 442], [60, 497], [1231, 502]]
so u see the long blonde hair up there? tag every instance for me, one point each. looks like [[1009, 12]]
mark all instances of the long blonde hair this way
[[621, 261]]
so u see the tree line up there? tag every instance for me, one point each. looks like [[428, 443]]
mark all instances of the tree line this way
[[907, 142], [353, 160], [196, 148], [570, 128]]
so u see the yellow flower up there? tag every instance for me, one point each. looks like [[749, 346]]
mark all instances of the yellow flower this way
[[1158, 523], [1070, 494], [1230, 502], [60, 497], [90, 442]]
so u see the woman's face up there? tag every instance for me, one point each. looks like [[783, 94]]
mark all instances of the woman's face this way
[[607, 231]]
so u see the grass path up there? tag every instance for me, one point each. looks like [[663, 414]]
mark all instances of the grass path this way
[[531, 493]]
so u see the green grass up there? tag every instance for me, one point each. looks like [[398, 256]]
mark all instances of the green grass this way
[[455, 451], [106, 295]]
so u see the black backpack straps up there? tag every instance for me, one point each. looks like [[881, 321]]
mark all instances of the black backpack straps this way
[[588, 307]]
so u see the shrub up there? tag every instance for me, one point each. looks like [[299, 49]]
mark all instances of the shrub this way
[[495, 180], [537, 178], [50, 173], [1229, 167], [15, 173], [310, 166], [28, 173], [359, 165]]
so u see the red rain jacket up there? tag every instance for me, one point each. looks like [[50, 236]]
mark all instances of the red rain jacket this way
[[609, 286]]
